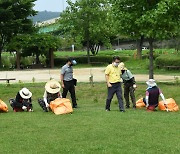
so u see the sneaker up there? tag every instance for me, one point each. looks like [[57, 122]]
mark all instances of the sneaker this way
[[122, 110], [75, 106], [108, 110]]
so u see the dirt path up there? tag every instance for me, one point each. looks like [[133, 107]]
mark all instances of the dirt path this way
[[81, 74]]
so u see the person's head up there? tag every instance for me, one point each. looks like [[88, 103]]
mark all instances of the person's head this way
[[25, 93], [52, 86], [116, 61], [71, 62], [151, 83]]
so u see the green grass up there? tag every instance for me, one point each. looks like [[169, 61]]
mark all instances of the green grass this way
[[89, 129]]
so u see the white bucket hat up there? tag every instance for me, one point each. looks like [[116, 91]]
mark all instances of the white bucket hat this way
[[25, 93], [122, 66], [52, 86], [151, 83]]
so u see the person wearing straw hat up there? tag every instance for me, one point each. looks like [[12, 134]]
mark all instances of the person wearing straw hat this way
[[129, 85], [22, 102], [52, 91], [152, 95]]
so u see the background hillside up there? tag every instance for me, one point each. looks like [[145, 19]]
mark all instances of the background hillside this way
[[44, 15]]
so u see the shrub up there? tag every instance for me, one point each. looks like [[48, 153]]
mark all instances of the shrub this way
[[168, 60], [83, 59]]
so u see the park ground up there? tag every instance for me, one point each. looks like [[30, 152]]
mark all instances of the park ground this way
[[90, 129]]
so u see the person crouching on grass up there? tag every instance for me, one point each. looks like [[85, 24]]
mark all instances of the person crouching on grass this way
[[113, 80], [52, 91], [129, 85], [22, 102], [152, 95]]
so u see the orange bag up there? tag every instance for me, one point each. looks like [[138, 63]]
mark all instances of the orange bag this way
[[140, 103], [3, 106], [171, 105], [61, 106]]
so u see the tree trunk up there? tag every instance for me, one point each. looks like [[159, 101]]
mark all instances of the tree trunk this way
[[51, 56], [88, 52], [0, 58], [151, 66], [18, 59], [139, 44], [37, 59]]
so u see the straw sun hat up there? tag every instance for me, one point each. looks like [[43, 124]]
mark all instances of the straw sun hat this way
[[52, 86], [25, 93]]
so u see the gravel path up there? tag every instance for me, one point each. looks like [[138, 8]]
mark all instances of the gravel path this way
[[82, 75]]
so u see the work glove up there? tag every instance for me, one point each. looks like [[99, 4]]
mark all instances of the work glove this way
[[24, 107], [134, 86]]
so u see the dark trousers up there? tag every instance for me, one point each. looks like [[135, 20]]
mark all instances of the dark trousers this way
[[69, 86], [128, 89], [115, 89]]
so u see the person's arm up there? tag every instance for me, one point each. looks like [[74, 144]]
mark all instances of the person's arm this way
[[162, 96], [147, 98], [107, 80], [45, 99], [62, 80]]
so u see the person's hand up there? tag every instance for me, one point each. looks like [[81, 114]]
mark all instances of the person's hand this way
[[47, 105], [147, 105], [62, 85], [109, 85], [24, 107], [134, 86], [30, 110]]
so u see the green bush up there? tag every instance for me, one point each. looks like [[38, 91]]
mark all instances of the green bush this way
[[83, 59], [8, 61], [168, 60]]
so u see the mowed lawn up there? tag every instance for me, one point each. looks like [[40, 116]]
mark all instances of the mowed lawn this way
[[90, 129]]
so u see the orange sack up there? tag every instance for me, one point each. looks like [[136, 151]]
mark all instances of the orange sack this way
[[61, 106], [171, 105], [140, 103], [3, 106]]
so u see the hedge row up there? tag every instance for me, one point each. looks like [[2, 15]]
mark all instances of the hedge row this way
[[168, 60], [83, 60]]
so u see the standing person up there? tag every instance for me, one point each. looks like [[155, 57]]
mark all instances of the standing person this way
[[113, 80], [67, 81], [23, 101], [129, 85], [152, 95], [52, 91]]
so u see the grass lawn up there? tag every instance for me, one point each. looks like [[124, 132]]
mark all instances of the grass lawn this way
[[89, 129]]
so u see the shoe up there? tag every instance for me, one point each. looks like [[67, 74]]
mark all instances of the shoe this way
[[127, 107], [108, 110], [122, 110], [75, 106]]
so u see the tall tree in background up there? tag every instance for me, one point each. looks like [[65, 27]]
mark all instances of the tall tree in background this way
[[152, 19], [13, 19], [87, 21]]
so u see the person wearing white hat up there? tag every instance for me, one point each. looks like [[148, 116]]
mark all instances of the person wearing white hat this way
[[129, 85], [52, 91], [22, 102], [152, 95]]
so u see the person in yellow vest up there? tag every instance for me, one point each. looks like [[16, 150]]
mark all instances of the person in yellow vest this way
[[113, 80]]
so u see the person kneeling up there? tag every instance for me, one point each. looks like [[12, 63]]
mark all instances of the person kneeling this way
[[22, 102], [52, 91], [152, 95]]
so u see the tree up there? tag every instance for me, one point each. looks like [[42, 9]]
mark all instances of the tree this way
[[152, 19], [14, 20], [126, 13], [35, 45], [87, 21]]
